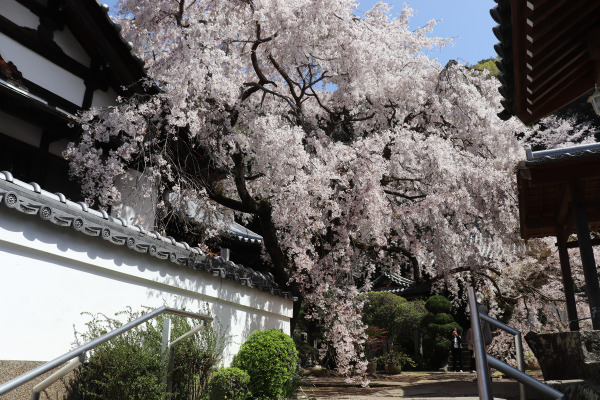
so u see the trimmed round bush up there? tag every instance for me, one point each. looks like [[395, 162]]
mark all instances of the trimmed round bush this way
[[229, 383], [438, 304], [437, 328], [271, 360]]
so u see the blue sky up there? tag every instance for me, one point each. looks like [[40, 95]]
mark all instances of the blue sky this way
[[467, 22]]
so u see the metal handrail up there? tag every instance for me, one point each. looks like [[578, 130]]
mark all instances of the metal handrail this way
[[42, 369], [40, 387], [484, 384], [482, 359], [518, 347], [167, 349]]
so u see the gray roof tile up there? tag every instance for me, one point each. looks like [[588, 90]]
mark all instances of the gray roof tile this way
[[30, 199]]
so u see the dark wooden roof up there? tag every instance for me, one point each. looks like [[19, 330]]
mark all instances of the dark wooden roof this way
[[550, 181], [93, 27], [549, 54]]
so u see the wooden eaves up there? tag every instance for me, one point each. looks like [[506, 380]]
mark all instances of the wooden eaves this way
[[549, 54], [547, 188]]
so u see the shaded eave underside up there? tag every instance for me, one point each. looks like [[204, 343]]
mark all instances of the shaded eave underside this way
[[554, 48], [99, 33], [543, 194]]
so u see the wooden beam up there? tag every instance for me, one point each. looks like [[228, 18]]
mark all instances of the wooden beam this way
[[575, 243], [563, 172], [594, 51], [567, 278], [564, 209], [562, 29], [587, 256], [30, 38]]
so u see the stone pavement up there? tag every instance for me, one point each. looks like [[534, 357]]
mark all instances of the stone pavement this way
[[409, 385]]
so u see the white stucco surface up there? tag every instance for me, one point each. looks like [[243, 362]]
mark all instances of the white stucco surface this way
[[19, 14], [104, 98], [70, 45], [54, 78], [50, 274], [21, 130]]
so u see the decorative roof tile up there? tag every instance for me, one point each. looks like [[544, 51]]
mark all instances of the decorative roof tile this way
[[565, 153], [105, 9], [30, 199], [503, 32]]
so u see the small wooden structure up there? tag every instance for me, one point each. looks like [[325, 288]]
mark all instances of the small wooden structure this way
[[549, 56], [559, 194]]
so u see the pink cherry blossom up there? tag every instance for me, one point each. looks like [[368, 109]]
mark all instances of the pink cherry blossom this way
[[355, 150]]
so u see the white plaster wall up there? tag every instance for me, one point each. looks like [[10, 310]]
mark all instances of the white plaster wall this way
[[104, 98], [54, 78], [50, 274], [58, 146], [19, 14], [136, 208], [19, 129], [69, 44]]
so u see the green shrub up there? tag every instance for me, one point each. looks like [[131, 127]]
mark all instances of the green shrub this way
[[132, 366], [271, 360], [437, 328], [394, 315], [438, 304], [229, 383], [308, 355]]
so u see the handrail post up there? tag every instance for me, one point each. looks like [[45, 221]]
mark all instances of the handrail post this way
[[518, 347], [484, 383], [524, 378], [166, 353], [520, 363], [40, 387]]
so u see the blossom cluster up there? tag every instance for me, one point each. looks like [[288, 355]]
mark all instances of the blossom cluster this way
[[355, 150]]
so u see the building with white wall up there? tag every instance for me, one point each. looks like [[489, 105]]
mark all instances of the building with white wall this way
[[61, 258], [58, 257]]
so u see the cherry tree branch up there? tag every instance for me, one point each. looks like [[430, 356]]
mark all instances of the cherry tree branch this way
[[405, 196]]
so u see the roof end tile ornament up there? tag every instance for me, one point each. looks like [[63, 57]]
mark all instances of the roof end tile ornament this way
[[7, 176], [31, 199]]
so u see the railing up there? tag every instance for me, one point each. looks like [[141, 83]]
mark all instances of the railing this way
[[483, 360], [82, 350], [167, 349]]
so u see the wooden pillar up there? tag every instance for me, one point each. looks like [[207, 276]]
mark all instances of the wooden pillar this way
[[567, 278], [588, 261]]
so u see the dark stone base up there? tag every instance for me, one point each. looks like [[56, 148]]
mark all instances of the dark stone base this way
[[577, 389], [567, 355]]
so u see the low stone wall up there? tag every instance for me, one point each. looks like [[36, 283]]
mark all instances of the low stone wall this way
[[567, 355], [11, 369], [577, 389]]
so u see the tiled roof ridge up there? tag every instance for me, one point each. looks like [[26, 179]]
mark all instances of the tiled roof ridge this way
[[560, 154], [501, 14], [395, 278], [399, 279], [31, 199], [117, 27]]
